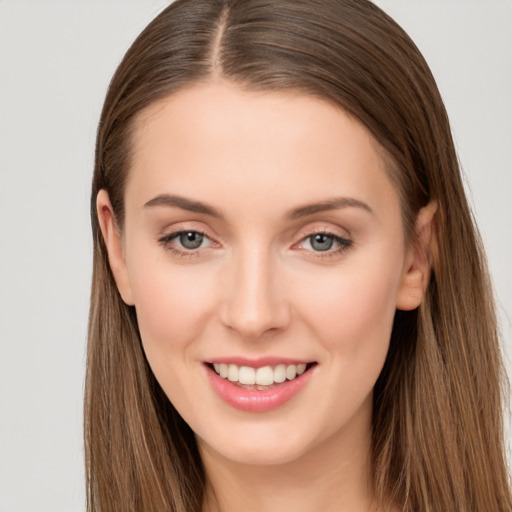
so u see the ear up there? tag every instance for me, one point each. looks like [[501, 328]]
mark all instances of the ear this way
[[114, 244], [416, 274]]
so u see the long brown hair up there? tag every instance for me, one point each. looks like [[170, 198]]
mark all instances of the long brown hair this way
[[437, 414]]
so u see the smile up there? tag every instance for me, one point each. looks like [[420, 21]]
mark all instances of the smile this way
[[263, 376], [258, 388]]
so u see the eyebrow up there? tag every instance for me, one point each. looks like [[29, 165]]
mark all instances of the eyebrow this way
[[183, 203], [329, 204], [302, 211]]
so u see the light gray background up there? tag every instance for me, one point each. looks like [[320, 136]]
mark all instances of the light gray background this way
[[56, 59]]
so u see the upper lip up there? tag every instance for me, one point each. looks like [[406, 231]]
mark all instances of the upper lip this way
[[258, 362]]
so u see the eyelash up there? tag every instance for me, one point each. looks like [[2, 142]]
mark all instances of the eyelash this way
[[166, 240], [343, 243]]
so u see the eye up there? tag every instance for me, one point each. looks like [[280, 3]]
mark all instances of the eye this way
[[184, 241], [321, 242], [326, 243], [190, 239]]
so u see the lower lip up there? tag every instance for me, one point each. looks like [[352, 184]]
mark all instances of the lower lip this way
[[253, 400]]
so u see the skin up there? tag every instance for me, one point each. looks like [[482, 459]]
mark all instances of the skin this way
[[257, 286]]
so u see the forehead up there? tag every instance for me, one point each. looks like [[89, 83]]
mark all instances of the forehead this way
[[216, 139]]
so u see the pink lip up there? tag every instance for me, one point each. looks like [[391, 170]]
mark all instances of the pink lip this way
[[253, 400]]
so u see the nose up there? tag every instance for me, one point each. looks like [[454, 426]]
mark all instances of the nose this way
[[255, 302]]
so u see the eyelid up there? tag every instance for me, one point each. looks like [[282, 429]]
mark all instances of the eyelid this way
[[166, 237], [174, 234], [344, 242], [322, 228]]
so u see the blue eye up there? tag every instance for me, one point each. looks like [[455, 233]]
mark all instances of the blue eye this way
[[321, 242], [190, 239], [183, 242], [326, 243]]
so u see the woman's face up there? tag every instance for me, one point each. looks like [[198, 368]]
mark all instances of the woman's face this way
[[262, 240]]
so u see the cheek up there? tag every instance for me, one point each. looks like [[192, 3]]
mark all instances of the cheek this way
[[352, 310], [172, 302], [351, 315]]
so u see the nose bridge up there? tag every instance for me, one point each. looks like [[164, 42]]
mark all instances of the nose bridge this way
[[255, 303]]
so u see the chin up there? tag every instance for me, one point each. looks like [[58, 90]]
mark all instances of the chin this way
[[253, 446], [259, 455]]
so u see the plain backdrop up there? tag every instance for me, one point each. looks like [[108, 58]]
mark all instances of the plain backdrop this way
[[56, 59]]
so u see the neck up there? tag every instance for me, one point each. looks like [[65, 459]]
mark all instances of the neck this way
[[332, 476]]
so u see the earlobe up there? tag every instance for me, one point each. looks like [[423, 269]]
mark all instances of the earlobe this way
[[114, 244], [417, 268]]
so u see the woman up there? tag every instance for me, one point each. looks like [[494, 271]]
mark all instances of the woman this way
[[290, 306]]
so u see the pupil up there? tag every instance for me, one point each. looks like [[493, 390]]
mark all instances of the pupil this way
[[191, 240], [321, 242]]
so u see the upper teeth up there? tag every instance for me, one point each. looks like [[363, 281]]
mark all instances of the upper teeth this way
[[264, 376]]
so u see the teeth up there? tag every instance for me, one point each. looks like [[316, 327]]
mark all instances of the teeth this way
[[246, 375], [280, 373], [264, 376], [233, 373], [291, 372], [223, 370]]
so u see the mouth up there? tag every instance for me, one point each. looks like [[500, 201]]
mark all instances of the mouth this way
[[258, 387], [260, 378]]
